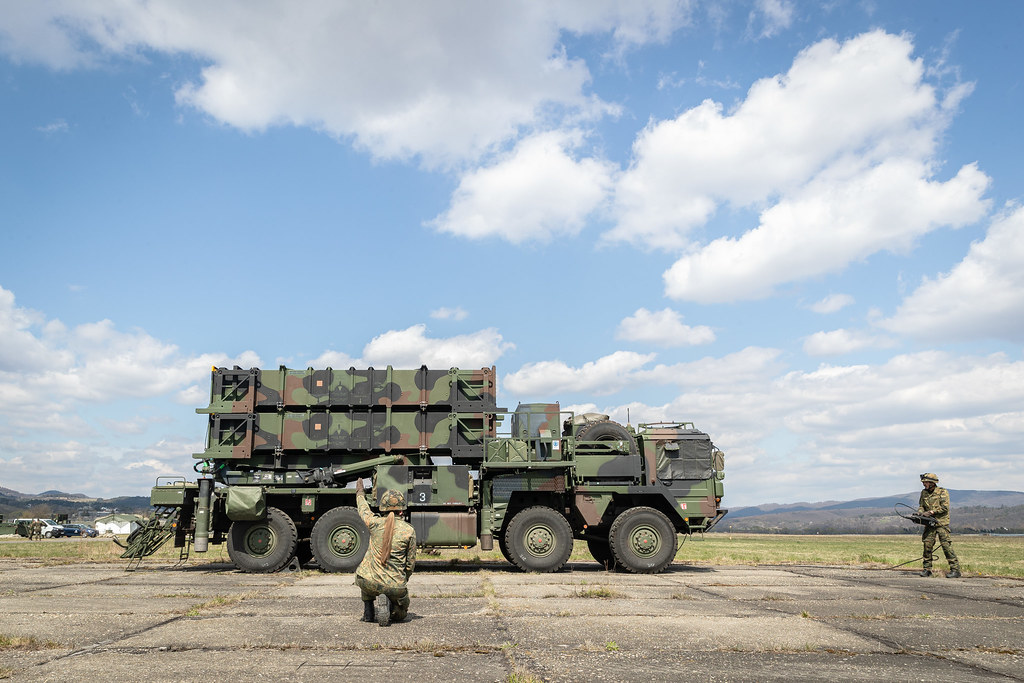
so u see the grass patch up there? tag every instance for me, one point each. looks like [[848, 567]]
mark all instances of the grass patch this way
[[216, 603], [103, 550], [596, 592], [25, 643], [984, 555]]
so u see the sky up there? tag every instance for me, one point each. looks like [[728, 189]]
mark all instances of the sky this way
[[797, 225]]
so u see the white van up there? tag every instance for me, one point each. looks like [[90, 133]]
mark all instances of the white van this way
[[50, 528]]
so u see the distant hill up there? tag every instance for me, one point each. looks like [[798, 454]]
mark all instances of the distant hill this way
[[973, 512], [60, 495], [77, 506]]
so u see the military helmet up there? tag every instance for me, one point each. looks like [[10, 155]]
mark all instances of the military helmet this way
[[392, 500], [928, 476]]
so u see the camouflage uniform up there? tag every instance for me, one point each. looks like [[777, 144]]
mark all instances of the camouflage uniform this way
[[390, 578], [936, 502], [35, 530]]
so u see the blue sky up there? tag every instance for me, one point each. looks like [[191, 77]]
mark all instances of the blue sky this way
[[797, 226]]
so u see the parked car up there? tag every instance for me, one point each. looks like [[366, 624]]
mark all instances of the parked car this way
[[50, 528], [80, 530]]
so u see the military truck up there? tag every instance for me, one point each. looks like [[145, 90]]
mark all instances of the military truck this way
[[285, 447]]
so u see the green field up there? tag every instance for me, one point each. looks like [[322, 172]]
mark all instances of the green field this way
[[979, 555]]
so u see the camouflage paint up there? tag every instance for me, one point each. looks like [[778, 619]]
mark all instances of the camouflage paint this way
[[617, 466], [443, 529], [232, 391], [592, 506], [236, 390], [304, 435], [426, 486], [242, 436]]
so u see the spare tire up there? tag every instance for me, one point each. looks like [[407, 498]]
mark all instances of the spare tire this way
[[606, 430]]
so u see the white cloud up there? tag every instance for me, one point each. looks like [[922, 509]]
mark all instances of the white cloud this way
[[53, 380], [664, 327], [411, 347], [604, 376], [863, 99], [400, 78], [91, 467], [739, 371], [775, 15], [445, 313], [825, 227], [842, 431], [536, 192], [334, 359], [167, 457], [832, 303], [981, 297], [838, 342], [23, 349], [54, 127], [837, 154]]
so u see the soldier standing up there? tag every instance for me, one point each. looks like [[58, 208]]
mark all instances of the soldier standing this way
[[35, 530], [389, 561], [934, 502]]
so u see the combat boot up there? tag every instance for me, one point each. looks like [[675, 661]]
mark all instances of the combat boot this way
[[368, 611], [397, 613], [953, 574], [925, 572], [383, 606]]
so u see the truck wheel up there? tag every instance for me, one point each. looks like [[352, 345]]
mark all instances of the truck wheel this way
[[601, 551], [263, 546], [642, 540], [503, 547], [339, 540], [539, 539], [606, 430]]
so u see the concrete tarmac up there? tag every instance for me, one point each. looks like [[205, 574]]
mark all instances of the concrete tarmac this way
[[486, 622]]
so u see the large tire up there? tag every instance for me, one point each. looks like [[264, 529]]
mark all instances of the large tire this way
[[263, 546], [601, 551], [642, 540], [539, 539], [503, 547], [606, 430], [339, 540]]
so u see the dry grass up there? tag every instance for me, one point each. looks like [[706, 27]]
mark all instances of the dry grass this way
[[985, 555], [979, 555], [25, 643]]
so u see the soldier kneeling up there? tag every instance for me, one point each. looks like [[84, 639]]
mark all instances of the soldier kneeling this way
[[389, 561]]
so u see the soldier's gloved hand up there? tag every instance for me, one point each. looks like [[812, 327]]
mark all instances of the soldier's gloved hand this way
[[359, 485]]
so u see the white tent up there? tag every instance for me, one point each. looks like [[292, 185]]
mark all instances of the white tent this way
[[118, 524]]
